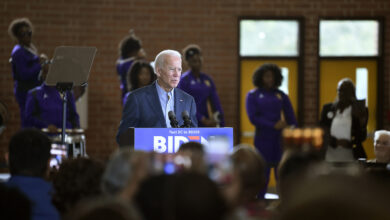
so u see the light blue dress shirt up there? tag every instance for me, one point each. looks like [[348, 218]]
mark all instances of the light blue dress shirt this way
[[167, 104]]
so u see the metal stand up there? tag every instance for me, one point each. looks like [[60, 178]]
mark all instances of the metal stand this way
[[63, 88]]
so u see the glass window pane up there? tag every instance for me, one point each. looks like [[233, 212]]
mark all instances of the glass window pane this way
[[349, 38], [361, 83], [269, 38], [284, 86]]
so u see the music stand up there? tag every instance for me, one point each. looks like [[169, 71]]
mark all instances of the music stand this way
[[69, 67]]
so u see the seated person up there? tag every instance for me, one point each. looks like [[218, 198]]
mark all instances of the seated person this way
[[29, 155], [381, 147], [44, 108], [76, 180]]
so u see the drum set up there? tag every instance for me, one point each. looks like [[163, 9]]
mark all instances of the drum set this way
[[74, 146]]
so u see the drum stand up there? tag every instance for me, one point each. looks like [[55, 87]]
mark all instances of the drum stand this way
[[63, 88]]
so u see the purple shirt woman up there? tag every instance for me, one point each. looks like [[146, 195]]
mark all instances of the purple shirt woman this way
[[26, 63], [269, 110]]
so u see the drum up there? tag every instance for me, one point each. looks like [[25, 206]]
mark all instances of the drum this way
[[75, 144]]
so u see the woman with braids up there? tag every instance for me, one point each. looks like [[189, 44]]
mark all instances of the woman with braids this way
[[198, 84], [130, 49], [26, 63], [269, 110]]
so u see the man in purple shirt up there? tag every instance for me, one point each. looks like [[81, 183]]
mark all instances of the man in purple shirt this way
[[208, 108], [26, 64]]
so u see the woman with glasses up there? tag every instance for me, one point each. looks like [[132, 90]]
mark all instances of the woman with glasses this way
[[26, 63]]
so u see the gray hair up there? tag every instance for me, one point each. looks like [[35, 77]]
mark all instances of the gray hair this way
[[159, 62], [118, 172], [378, 133]]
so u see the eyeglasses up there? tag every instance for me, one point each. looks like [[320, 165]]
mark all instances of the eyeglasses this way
[[25, 33]]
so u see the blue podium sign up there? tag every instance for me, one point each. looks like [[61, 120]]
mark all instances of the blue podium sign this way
[[168, 140]]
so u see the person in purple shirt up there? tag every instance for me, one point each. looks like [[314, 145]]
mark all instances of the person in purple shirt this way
[[44, 108], [25, 61], [140, 74], [130, 49], [269, 110], [198, 84], [29, 155]]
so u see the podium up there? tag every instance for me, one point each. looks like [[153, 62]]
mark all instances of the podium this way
[[168, 140]]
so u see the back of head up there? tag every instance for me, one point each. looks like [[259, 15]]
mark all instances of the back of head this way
[[195, 196], [76, 179], [29, 153], [103, 208], [293, 170], [150, 199], [251, 170], [14, 204], [192, 147], [118, 172], [338, 197], [159, 62], [125, 166]]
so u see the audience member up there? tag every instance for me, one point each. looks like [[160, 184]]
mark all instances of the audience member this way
[[295, 169], [140, 74], [269, 110], [198, 84], [382, 146], [77, 179], [193, 196], [194, 152], [29, 156], [150, 199], [249, 168], [338, 197], [130, 49], [104, 208], [345, 124], [26, 62], [124, 172], [14, 204]]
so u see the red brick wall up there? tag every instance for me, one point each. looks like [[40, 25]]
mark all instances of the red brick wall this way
[[163, 24]]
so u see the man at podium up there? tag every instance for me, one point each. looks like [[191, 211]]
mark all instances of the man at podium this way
[[153, 106]]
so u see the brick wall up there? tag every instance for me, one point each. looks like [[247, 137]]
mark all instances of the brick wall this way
[[165, 24]]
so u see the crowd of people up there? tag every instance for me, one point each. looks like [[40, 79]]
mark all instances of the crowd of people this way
[[136, 184], [333, 181]]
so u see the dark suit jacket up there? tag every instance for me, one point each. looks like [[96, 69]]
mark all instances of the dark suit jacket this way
[[358, 132], [143, 109]]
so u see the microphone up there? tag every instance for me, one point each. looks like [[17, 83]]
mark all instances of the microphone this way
[[186, 119], [172, 119]]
